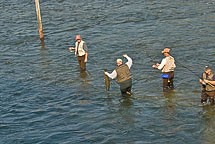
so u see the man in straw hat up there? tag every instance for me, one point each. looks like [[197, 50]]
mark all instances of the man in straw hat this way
[[207, 80], [123, 75], [167, 66]]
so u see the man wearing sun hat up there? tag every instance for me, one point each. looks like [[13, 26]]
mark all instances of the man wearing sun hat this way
[[207, 80], [123, 75], [80, 52], [167, 67]]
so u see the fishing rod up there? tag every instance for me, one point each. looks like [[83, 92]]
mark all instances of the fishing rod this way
[[150, 57], [193, 72], [72, 49], [189, 69], [179, 64]]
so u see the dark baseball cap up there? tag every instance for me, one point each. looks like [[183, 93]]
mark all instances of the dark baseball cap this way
[[207, 68]]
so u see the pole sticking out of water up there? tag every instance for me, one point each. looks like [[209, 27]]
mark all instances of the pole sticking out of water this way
[[39, 20]]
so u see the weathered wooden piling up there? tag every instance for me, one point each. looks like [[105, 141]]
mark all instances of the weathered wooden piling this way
[[39, 20]]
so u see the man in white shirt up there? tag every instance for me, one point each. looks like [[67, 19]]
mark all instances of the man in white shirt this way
[[167, 66], [81, 52], [123, 75]]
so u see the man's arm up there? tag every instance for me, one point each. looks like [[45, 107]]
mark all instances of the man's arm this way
[[129, 63], [210, 82], [86, 55], [71, 48], [86, 52], [201, 80], [112, 75], [160, 66], [163, 62]]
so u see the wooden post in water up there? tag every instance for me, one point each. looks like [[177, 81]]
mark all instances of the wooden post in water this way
[[39, 20]]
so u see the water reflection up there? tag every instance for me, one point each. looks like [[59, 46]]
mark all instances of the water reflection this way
[[126, 102], [123, 109], [169, 114], [169, 103], [209, 124], [45, 59], [84, 74], [45, 65], [84, 77], [126, 111], [42, 44]]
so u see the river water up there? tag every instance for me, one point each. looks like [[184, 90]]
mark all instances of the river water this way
[[45, 99]]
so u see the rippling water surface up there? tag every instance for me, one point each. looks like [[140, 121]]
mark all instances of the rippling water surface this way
[[44, 98]]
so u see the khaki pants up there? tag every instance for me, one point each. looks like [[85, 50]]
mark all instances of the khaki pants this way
[[168, 83], [81, 62]]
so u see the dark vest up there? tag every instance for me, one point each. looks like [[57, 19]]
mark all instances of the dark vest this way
[[123, 73], [210, 78]]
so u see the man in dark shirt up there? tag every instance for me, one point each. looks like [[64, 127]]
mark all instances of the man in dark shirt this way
[[207, 80]]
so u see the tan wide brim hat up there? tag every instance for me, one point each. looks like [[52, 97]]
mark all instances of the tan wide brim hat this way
[[166, 50]]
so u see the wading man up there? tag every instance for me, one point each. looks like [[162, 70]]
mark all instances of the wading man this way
[[167, 66], [207, 80], [123, 75], [80, 52]]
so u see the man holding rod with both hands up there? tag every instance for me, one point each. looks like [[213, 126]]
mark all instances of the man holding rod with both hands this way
[[207, 80], [167, 67]]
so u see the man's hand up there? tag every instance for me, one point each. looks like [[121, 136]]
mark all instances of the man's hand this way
[[71, 48], [211, 83], [125, 55], [106, 73], [155, 66], [206, 81], [203, 83], [85, 60]]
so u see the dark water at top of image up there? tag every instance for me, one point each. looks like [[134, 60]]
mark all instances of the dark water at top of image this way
[[45, 99]]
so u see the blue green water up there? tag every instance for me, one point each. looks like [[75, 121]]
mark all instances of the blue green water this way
[[45, 99]]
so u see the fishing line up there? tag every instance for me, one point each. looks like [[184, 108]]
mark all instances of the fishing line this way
[[154, 60], [149, 57], [189, 69], [72, 49], [177, 62], [194, 73]]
